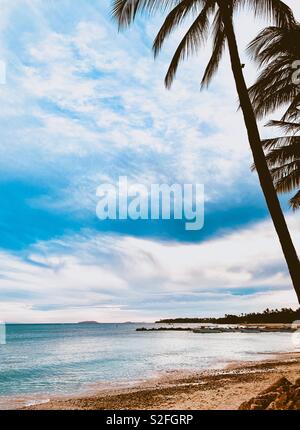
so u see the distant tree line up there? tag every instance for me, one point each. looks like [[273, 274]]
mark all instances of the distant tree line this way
[[284, 315]]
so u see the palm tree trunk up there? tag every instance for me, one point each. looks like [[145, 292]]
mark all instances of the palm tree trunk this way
[[258, 153]]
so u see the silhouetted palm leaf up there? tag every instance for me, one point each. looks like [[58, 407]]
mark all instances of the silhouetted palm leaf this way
[[295, 201], [192, 40], [277, 50], [174, 18], [219, 40], [283, 158]]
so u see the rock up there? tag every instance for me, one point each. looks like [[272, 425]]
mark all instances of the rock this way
[[259, 402], [280, 402], [281, 385], [297, 382], [282, 395]]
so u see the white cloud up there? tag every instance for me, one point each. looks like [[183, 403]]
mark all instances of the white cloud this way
[[111, 278], [87, 72]]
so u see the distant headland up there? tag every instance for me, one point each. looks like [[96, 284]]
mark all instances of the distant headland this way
[[88, 322]]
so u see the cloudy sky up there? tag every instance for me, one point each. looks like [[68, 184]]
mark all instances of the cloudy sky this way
[[84, 104]]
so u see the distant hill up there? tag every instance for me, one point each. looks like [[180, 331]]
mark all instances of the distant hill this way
[[88, 322], [284, 315]]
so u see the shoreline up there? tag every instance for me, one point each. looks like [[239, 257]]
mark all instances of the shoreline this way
[[212, 389]]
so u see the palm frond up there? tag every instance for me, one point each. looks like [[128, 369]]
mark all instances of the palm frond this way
[[125, 11], [263, 40], [283, 159], [193, 39], [278, 142], [284, 154], [269, 101], [275, 10], [293, 112], [219, 39], [276, 49], [285, 126], [274, 40], [295, 201], [287, 177], [174, 18]]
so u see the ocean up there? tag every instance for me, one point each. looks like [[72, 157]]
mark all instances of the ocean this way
[[61, 359]]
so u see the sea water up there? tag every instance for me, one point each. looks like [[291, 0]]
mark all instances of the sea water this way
[[55, 359]]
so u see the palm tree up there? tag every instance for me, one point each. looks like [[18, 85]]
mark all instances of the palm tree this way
[[223, 33], [277, 49], [283, 158]]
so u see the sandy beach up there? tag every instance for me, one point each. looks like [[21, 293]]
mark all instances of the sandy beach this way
[[210, 390]]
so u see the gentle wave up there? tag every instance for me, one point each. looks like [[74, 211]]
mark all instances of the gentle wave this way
[[45, 360]]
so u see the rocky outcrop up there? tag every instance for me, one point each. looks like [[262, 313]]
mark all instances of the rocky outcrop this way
[[282, 395]]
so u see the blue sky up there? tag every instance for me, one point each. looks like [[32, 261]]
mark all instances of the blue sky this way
[[84, 104]]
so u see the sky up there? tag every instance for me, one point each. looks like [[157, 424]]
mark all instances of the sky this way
[[84, 104]]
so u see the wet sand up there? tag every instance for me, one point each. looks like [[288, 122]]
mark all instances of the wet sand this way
[[209, 390]]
